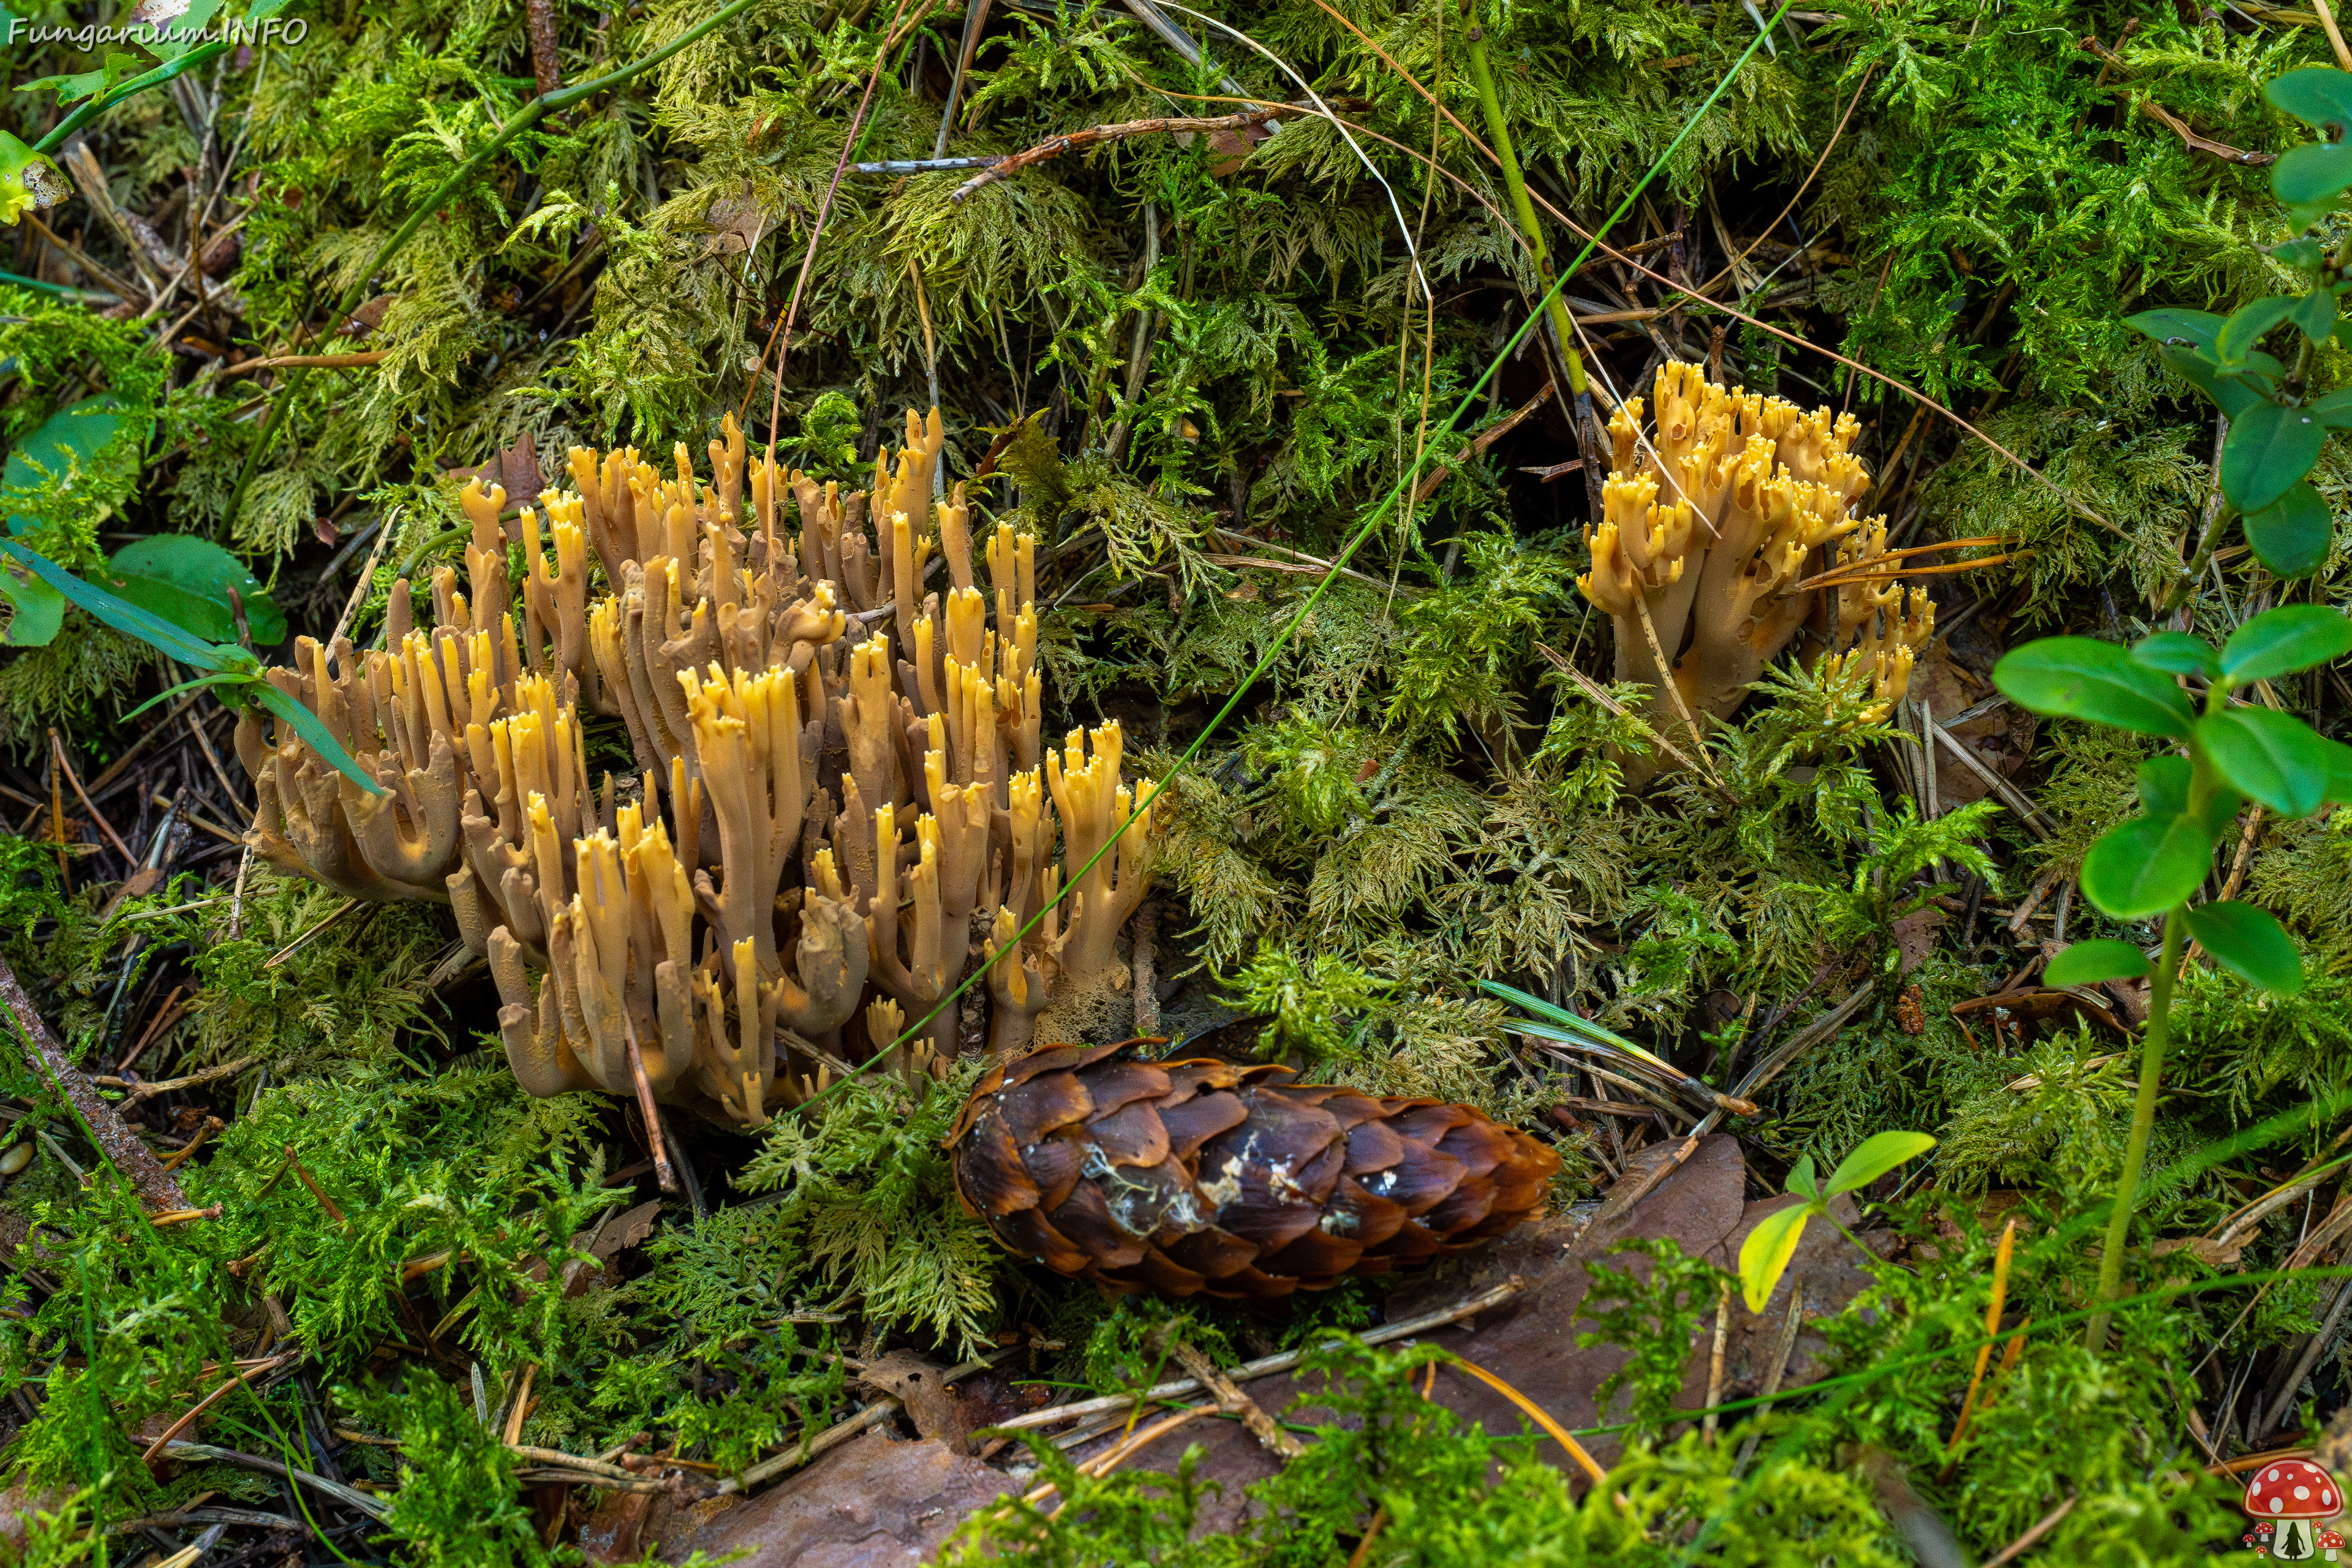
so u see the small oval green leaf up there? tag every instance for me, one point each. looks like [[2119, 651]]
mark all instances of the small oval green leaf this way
[[2146, 865], [2089, 963], [2292, 534], [2249, 944], [2195, 329], [2282, 641], [38, 611], [2248, 324], [2176, 653], [185, 580], [1764, 1257], [2081, 677], [1878, 1155], [2273, 758], [2269, 447]]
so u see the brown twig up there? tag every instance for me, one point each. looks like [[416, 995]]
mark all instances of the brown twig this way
[[1483, 1301], [1481, 442], [2010, 1552], [662, 1171], [57, 749], [317, 1190], [1095, 135], [158, 1192], [308, 361], [181, 1155], [209, 1075], [1229, 1398], [155, 1449]]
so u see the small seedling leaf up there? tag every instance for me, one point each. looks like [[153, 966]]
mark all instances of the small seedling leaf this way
[[2292, 534], [2249, 944], [2089, 963], [1878, 1155], [2146, 865], [1802, 1179], [1764, 1257], [2270, 447], [2274, 758]]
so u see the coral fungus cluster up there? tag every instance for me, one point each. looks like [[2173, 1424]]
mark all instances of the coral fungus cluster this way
[[842, 797], [1711, 524]]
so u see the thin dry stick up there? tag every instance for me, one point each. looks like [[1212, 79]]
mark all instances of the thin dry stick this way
[[58, 817], [1265, 1365], [309, 361], [209, 1075], [2335, 35], [1666, 683], [1593, 689], [522, 1405], [1785, 1344], [155, 1449], [2245, 851], [1120, 1453], [317, 1191], [57, 750], [2010, 1552], [667, 1177], [781, 340], [205, 744], [182, 1155], [2010, 795], [1482, 441], [1269, 1432], [158, 1192], [300, 942], [1095, 135], [833, 1437], [1715, 1361]]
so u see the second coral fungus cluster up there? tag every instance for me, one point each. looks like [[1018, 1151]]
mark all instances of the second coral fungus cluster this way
[[1713, 522], [842, 798]]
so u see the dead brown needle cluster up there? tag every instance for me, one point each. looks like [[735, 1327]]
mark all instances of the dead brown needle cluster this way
[[841, 800], [1710, 526]]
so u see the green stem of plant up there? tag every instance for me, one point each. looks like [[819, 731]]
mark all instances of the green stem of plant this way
[[98, 105], [1498, 132], [2151, 1068], [523, 119]]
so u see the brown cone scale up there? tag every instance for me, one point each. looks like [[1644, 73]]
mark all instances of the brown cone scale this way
[[1209, 1177]]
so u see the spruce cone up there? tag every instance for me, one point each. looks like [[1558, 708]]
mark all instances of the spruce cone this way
[[1207, 1176]]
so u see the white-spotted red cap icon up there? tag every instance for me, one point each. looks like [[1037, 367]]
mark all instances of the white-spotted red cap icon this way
[[2292, 1488], [2295, 1493]]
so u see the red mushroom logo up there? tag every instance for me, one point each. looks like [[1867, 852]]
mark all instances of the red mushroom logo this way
[[2330, 1543], [2294, 1495]]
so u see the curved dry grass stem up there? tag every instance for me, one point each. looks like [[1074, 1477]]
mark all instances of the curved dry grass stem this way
[[1536, 1413]]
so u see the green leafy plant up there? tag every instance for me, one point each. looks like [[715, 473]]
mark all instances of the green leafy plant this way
[[1656, 1319], [2230, 753], [2278, 422], [1765, 1256], [232, 671]]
